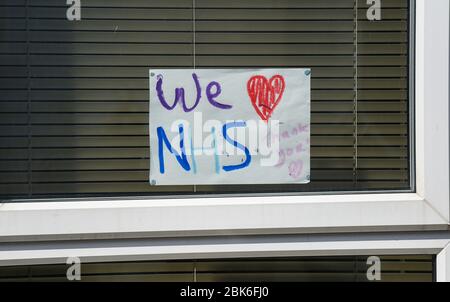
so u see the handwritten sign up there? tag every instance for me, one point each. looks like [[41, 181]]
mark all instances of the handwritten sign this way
[[229, 126]]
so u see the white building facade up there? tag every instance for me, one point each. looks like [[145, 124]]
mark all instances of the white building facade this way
[[258, 225]]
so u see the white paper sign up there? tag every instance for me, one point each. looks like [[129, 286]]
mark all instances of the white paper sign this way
[[229, 126]]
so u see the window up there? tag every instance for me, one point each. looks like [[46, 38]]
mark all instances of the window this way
[[74, 94], [417, 268]]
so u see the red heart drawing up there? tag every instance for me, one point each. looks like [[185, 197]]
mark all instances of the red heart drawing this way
[[265, 94]]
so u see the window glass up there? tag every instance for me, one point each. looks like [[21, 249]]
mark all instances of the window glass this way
[[74, 94], [413, 268]]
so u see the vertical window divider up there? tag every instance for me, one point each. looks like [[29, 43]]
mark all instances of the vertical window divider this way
[[29, 127], [412, 93], [355, 94], [194, 63]]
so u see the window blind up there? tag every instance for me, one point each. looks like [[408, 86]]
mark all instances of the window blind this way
[[74, 94], [413, 268]]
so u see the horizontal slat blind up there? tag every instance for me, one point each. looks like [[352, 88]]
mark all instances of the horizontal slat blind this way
[[311, 269], [74, 95]]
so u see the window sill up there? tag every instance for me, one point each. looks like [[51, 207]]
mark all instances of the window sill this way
[[214, 216]]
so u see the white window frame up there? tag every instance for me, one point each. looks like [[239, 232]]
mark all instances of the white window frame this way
[[427, 209]]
